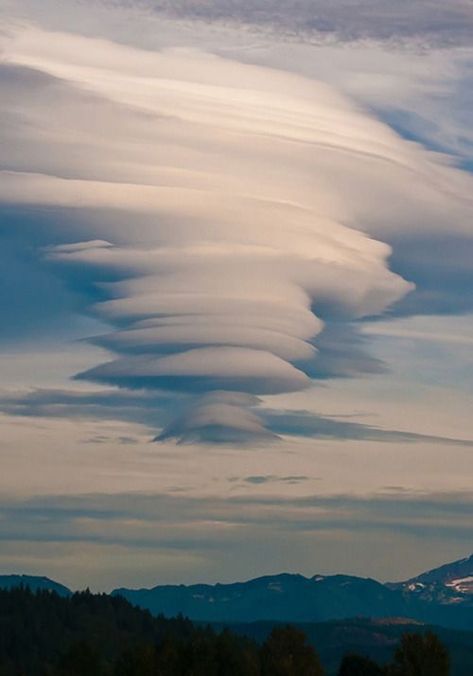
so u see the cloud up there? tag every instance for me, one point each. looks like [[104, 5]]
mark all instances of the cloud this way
[[228, 222], [424, 21], [213, 523], [440, 267], [148, 408], [343, 352], [217, 417], [259, 479], [203, 369], [104, 439], [344, 19], [303, 423]]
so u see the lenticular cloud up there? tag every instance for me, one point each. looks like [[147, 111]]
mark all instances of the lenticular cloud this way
[[224, 212]]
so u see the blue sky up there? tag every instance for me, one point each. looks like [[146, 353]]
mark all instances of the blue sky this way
[[236, 290]]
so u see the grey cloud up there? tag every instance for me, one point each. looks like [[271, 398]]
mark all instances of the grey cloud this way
[[307, 424], [202, 370], [130, 519], [200, 420], [343, 352], [428, 20], [219, 417], [105, 439], [271, 478], [440, 266], [147, 408]]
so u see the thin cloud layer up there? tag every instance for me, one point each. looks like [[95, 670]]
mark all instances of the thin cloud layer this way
[[213, 417], [226, 221], [220, 531], [425, 20]]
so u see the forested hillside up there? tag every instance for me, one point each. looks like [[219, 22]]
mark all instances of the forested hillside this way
[[85, 634], [43, 634]]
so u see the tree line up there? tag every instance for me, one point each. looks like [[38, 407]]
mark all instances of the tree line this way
[[44, 634]]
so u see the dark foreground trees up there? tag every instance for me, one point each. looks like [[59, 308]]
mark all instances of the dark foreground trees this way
[[416, 655], [420, 655], [43, 634], [97, 635], [287, 653], [358, 665]]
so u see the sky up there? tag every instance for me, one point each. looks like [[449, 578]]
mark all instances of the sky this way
[[236, 289]]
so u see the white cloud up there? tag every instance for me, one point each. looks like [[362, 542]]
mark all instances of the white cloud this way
[[244, 192], [248, 199]]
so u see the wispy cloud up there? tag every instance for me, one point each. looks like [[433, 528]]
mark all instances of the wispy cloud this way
[[214, 528], [344, 19], [259, 479], [250, 419]]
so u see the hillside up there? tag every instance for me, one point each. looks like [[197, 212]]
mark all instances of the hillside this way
[[84, 634], [376, 639]]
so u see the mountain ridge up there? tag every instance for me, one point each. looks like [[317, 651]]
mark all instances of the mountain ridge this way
[[319, 598], [442, 596], [34, 582], [449, 584]]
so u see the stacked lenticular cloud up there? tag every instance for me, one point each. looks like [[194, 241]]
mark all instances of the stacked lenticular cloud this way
[[222, 212]]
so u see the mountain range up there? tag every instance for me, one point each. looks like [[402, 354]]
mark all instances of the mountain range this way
[[443, 596], [34, 582]]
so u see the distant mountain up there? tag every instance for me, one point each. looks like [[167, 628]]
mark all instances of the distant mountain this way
[[34, 583], [450, 584], [448, 573], [443, 596], [295, 598], [279, 597]]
